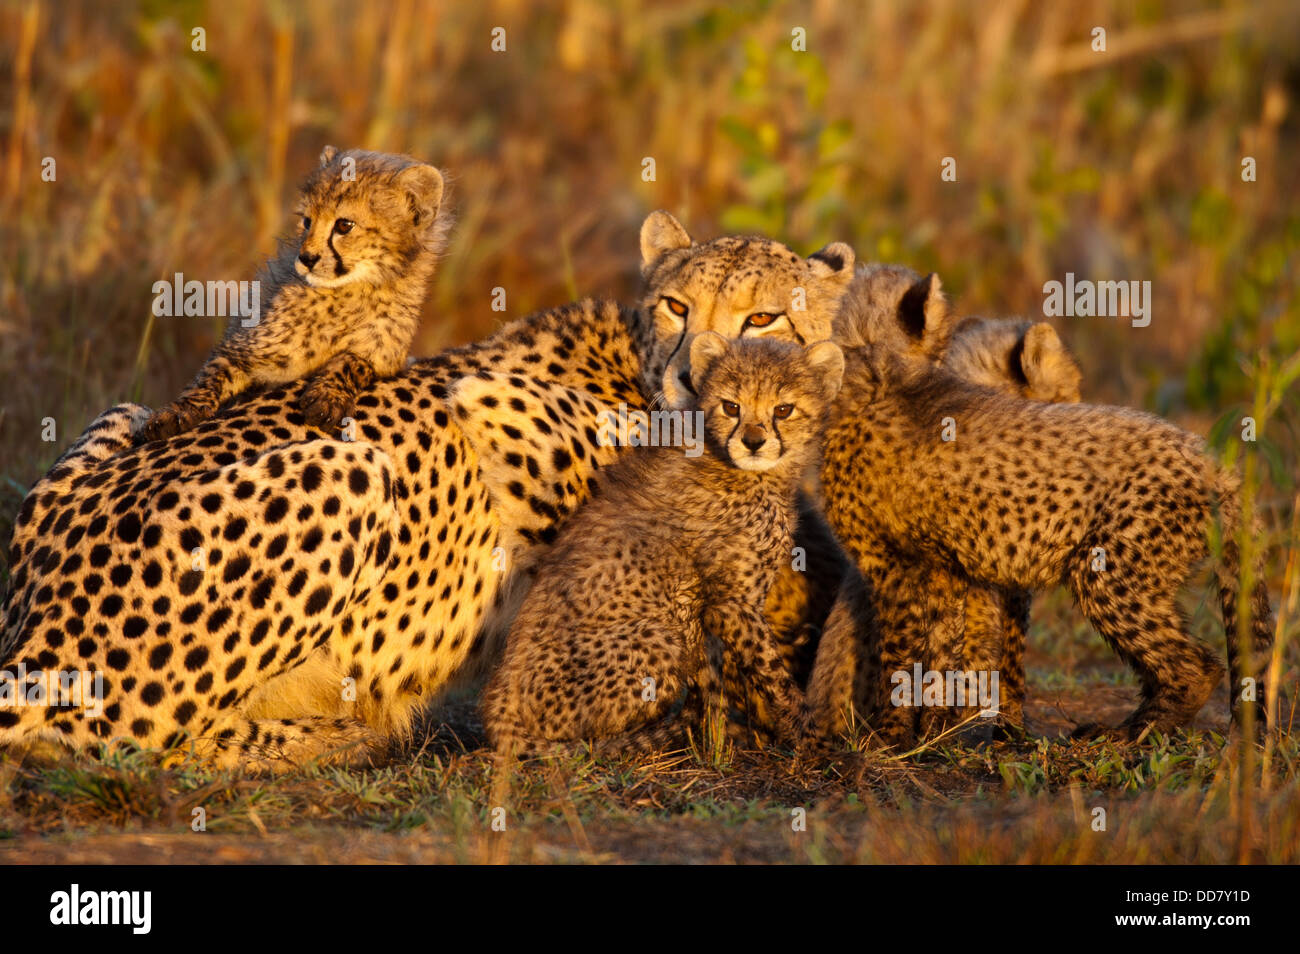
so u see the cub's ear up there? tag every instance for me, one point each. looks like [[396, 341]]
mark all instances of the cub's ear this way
[[923, 309], [834, 261], [827, 362], [1050, 372], [423, 185], [706, 348], [661, 233], [326, 154]]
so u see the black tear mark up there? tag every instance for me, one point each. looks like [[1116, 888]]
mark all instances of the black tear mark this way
[[339, 268]]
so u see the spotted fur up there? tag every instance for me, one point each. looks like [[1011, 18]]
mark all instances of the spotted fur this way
[[1012, 356], [340, 586], [1027, 496], [673, 553]]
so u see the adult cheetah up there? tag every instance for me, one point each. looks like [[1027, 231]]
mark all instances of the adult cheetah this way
[[275, 594]]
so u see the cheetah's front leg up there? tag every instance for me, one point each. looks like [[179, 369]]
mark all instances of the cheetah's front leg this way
[[330, 394], [220, 379], [752, 649], [908, 613], [845, 685]]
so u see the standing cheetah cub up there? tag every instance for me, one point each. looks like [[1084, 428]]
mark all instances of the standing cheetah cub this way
[[1020, 357], [673, 552], [1013, 356], [1112, 502], [345, 295]]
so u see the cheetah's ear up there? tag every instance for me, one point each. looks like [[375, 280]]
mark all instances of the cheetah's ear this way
[[423, 185], [834, 261], [661, 233], [1050, 372], [923, 309], [326, 154], [827, 362], [706, 348]]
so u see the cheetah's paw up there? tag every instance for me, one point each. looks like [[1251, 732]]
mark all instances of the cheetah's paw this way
[[324, 407]]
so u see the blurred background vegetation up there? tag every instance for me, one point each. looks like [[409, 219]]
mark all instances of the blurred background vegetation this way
[[1124, 164]]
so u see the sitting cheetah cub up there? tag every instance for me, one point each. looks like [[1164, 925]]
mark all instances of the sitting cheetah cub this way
[[674, 551], [1112, 502], [345, 295]]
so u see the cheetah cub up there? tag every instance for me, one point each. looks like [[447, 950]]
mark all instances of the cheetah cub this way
[[1019, 357], [659, 581], [345, 295], [1013, 356], [1112, 502]]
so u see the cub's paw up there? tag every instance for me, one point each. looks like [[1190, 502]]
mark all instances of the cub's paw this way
[[894, 729], [324, 406], [175, 418]]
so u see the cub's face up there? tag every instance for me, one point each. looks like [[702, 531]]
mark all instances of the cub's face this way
[[365, 216], [734, 287], [764, 401]]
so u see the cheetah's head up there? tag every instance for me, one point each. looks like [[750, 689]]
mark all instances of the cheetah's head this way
[[737, 287], [368, 217], [1015, 356], [764, 401]]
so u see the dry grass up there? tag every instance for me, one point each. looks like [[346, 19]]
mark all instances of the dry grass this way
[[1020, 801], [1116, 165], [1123, 165]]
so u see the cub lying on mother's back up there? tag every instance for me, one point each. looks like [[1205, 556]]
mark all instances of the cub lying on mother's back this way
[[345, 295], [672, 551]]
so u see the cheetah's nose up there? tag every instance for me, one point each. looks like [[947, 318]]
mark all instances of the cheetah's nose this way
[[308, 259], [753, 438]]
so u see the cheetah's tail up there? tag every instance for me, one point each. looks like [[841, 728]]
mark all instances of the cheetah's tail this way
[[24, 685], [1227, 489]]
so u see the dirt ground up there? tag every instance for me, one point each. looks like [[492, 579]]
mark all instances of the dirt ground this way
[[1028, 799]]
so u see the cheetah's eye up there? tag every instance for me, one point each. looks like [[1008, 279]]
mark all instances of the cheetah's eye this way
[[676, 307], [731, 409], [782, 411], [343, 226], [306, 222], [760, 319]]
